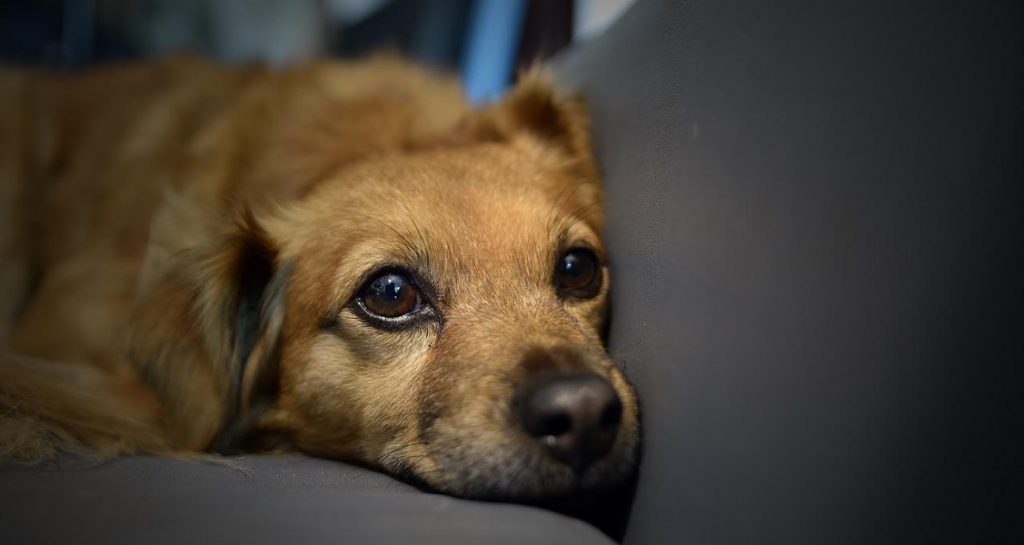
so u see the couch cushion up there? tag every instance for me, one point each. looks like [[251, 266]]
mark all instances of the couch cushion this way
[[253, 499]]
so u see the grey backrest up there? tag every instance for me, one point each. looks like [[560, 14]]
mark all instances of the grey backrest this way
[[817, 233]]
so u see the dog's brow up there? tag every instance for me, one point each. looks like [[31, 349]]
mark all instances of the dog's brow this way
[[569, 219], [565, 238], [418, 250]]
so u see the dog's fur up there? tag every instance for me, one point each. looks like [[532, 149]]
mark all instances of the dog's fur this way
[[182, 242]]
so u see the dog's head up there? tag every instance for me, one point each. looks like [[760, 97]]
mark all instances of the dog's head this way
[[439, 313]]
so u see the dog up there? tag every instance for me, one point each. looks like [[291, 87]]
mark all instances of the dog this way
[[339, 258]]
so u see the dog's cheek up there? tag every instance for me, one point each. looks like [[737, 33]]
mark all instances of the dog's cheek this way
[[353, 402], [316, 384], [594, 313]]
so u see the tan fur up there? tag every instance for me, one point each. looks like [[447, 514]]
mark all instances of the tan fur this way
[[185, 239]]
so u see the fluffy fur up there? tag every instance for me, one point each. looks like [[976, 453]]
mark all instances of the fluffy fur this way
[[182, 243]]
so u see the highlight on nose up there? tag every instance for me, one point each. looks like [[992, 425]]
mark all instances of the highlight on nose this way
[[575, 417]]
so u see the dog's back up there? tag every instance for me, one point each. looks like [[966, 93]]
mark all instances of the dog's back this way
[[90, 159]]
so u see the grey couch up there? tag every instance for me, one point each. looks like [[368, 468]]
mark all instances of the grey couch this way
[[817, 229]]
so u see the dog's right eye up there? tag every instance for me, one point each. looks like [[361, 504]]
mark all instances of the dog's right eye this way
[[389, 295], [578, 274]]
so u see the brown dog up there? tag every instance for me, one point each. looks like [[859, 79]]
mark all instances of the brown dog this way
[[340, 258]]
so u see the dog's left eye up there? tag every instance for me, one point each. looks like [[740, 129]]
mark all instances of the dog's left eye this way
[[389, 295], [578, 274]]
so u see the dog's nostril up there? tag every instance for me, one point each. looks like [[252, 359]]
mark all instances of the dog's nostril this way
[[575, 417], [554, 425]]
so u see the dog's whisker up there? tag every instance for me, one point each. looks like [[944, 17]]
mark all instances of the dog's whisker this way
[[562, 202]]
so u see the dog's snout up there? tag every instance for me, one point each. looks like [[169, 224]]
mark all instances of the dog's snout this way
[[575, 417]]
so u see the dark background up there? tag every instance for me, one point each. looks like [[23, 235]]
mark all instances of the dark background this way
[[484, 40], [816, 221]]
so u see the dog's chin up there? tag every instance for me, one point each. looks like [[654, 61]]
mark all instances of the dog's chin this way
[[520, 474]]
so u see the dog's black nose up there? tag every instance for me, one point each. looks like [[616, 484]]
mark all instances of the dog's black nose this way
[[575, 417]]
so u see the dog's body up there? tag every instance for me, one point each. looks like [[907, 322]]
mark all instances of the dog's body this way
[[341, 258]]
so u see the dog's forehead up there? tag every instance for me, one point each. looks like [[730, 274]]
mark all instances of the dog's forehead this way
[[456, 214], [476, 221]]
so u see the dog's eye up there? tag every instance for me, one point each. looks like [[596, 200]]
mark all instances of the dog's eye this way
[[578, 274], [390, 295]]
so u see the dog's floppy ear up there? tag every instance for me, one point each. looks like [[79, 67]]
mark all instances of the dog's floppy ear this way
[[534, 109], [207, 335], [254, 314]]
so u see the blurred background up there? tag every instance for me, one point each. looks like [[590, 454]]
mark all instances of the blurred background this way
[[484, 40]]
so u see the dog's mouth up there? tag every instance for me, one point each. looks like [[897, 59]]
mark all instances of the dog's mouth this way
[[516, 475], [564, 437]]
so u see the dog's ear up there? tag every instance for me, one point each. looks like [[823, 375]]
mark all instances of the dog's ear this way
[[207, 335], [535, 110], [257, 284]]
